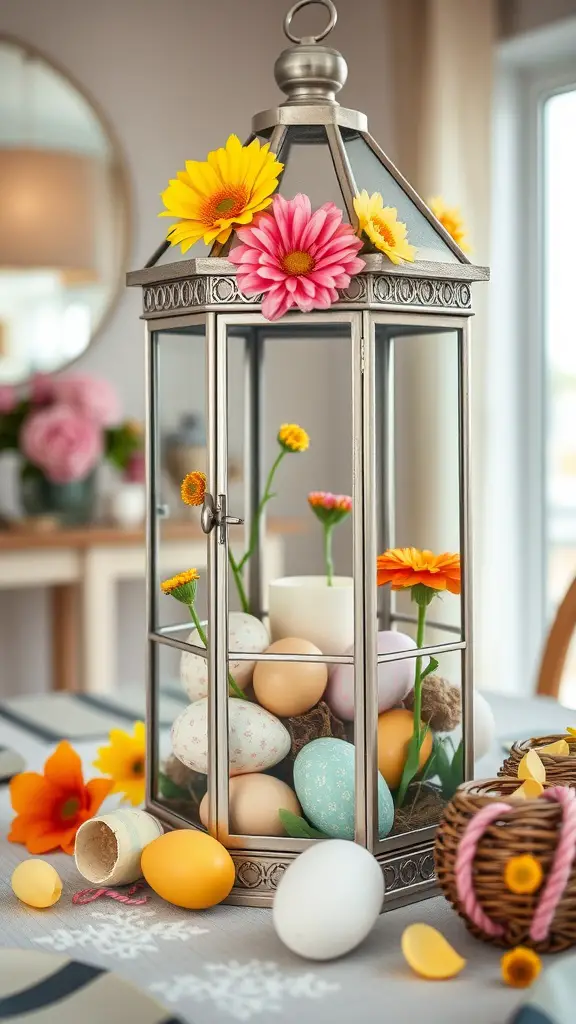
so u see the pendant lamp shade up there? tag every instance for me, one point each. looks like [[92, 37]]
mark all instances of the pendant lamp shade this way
[[47, 211]]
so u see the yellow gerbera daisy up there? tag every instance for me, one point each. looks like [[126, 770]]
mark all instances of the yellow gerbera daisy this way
[[380, 223], [293, 438], [124, 761], [451, 219], [210, 197]]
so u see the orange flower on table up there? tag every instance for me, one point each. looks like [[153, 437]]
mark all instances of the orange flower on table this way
[[193, 488], [407, 567], [51, 807]]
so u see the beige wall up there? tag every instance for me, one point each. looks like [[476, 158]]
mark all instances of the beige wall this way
[[174, 77], [518, 16]]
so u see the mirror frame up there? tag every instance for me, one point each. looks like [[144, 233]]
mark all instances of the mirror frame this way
[[121, 189]]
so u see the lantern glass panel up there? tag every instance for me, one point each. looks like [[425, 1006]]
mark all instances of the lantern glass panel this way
[[180, 447], [371, 174], [297, 374], [309, 167], [418, 460]]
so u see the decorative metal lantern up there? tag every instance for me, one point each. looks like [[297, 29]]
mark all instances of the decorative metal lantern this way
[[211, 351]]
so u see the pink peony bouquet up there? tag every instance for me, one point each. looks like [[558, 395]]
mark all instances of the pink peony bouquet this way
[[64, 426]]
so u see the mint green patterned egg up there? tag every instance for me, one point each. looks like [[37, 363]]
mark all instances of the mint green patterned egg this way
[[324, 784]]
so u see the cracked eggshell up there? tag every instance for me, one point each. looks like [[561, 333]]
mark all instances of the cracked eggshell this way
[[257, 739], [395, 678], [245, 633]]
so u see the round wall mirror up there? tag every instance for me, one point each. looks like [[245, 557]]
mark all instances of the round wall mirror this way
[[63, 216]]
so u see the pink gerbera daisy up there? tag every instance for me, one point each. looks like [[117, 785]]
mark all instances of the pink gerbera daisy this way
[[295, 257]]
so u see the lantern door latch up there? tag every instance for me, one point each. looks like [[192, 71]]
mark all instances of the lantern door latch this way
[[214, 513]]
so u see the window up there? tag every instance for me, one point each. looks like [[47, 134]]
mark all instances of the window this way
[[558, 284], [531, 450]]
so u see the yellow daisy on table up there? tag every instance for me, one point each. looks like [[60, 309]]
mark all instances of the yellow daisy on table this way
[[380, 223], [211, 197], [124, 761], [450, 219], [520, 967]]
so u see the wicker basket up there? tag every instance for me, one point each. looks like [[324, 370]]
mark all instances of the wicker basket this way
[[560, 770], [540, 827]]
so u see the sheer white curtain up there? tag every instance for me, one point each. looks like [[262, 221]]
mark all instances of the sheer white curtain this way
[[442, 75]]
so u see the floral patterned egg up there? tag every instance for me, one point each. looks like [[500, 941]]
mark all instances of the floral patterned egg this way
[[257, 739], [324, 784], [245, 633], [395, 678]]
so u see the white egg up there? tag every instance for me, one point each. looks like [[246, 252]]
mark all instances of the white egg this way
[[257, 739], [245, 633], [484, 726], [328, 900]]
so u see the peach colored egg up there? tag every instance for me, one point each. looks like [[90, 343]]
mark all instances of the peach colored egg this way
[[288, 687], [254, 803], [395, 730]]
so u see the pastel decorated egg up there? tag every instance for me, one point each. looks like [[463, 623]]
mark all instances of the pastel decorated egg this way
[[245, 633], [395, 730], [254, 802], [395, 678], [188, 868], [324, 784], [484, 726], [257, 739], [289, 687], [328, 900]]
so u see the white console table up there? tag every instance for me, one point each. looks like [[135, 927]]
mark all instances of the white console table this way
[[82, 568]]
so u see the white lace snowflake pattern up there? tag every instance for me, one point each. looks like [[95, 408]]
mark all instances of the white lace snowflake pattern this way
[[124, 934], [244, 990]]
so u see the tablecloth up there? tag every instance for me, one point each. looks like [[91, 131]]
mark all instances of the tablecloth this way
[[227, 964]]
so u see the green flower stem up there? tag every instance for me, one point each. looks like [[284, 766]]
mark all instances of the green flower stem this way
[[418, 673], [329, 562], [238, 567], [231, 681], [264, 501], [236, 572]]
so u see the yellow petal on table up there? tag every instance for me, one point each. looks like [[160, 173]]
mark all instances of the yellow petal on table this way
[[531, 767], [531, 789], [559, 747], [429, 953]]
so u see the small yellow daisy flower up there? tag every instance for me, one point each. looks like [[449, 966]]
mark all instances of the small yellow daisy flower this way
[[124, 761], [523, 875], [182, 586], [193, 488], [293, 438], [520, 967], [380, 223], [450, 219]]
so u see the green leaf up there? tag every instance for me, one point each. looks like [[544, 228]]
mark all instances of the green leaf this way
[[169, 790], [445, 769], [432, 666], [458, 765], [411, 767], [297, 827]]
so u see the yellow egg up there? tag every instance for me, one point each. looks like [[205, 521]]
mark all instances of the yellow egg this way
[[288, 687], [531, 767], [255, 800], [395, 730], [188, 868], [36, 883]]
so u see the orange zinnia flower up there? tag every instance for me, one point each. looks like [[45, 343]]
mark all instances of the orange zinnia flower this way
[[51, 807], [193, 488], [406, 567]]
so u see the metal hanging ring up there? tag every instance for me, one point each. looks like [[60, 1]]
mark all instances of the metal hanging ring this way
[[305, 3]]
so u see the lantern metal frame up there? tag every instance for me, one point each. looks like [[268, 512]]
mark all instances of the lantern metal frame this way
[[203, 293]]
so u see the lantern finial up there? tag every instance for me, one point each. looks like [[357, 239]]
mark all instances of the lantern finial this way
[[307, 72]]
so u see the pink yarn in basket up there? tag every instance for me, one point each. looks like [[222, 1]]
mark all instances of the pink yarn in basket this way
[[557, 879]]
